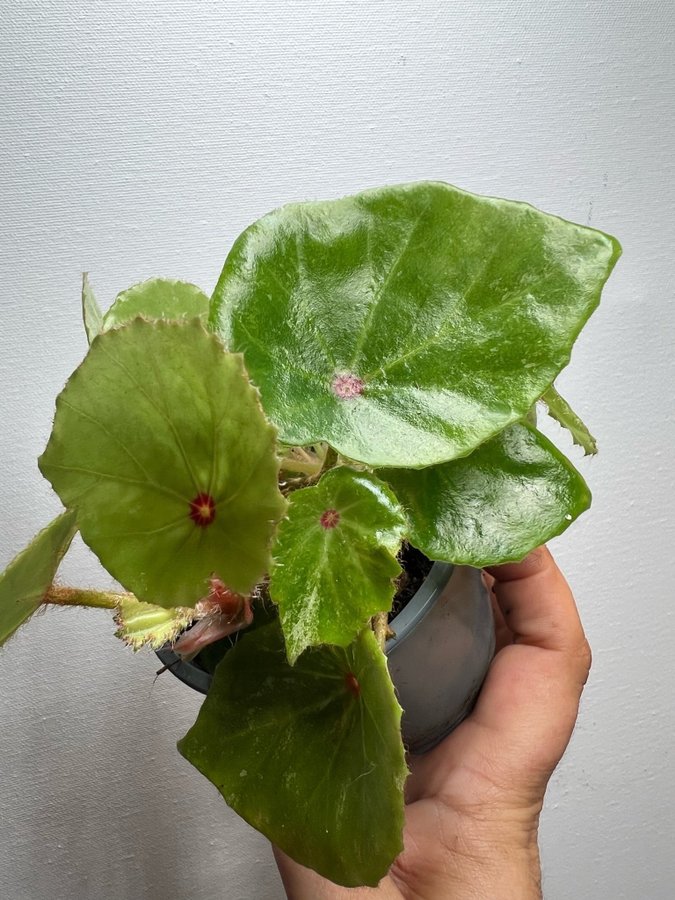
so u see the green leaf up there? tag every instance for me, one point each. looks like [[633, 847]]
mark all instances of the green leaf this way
[[160, 444], [560, 410], [158, 298], [310, 755], [147, 625], [91, 312], [27, 578], [407, 325], [511, 495], [335, 559]]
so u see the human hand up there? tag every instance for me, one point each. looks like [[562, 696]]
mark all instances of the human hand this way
[[473, 802]]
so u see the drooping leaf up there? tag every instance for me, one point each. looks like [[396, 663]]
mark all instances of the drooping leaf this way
[[91, 312], [335, 559], [160, 444], [147, 625], [311, 754], [560, 410], [27, 578], [158, 298], [509, 496], [407, 325]]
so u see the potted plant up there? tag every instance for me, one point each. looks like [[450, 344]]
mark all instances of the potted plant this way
[[363, 379]]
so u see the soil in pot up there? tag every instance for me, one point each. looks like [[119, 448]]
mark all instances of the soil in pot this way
[[416, 566]]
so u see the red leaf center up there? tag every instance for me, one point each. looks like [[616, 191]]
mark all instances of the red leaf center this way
[[352, 683], [203, 510]]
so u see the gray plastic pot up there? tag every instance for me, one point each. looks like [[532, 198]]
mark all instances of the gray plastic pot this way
[[444, 642]]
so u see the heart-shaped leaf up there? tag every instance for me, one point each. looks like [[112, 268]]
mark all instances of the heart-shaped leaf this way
[[160, 444], [27, 578], [335, 559], [311, 754], [407, 325], [158, 298], [509, 496]]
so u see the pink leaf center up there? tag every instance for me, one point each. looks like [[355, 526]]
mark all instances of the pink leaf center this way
[[346, 386], [330, 518]]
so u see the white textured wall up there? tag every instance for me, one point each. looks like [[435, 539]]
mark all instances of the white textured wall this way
[[139, 139]]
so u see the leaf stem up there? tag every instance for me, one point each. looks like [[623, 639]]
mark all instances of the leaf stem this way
[[302, 461], [64, 596], [531, 415], [330, 459], [380, 624]]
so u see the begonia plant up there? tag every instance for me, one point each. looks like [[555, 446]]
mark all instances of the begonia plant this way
[[251, 463]]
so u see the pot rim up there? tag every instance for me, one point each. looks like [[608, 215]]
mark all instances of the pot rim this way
[[402, 624]]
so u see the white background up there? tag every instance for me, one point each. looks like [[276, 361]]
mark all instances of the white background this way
[[138, 139]]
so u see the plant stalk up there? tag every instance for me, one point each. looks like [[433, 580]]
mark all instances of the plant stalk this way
[[330, 460], [300, 461], [64, 596], [381, 628]]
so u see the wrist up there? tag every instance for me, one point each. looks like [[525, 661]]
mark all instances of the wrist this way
[[501, 857], [515, 875], [476, 859]]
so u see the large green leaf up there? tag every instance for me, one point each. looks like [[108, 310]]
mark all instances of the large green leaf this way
[[335, 559], [406, 325], [158, 298], [310, 755], [27, 578], [160, 444], [511, 495]]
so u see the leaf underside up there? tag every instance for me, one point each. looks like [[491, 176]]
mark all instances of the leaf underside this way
[[160, 444], [310, 755], [158, 298], [27, 578], [509, 496], [560, 410], [335, 559], [407, 325]]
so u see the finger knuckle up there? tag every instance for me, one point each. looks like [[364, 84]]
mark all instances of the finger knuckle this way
[[584, 656]]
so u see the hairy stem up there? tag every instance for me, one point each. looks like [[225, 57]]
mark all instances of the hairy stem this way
[[381, 628], [63, 596], [302, 461]]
